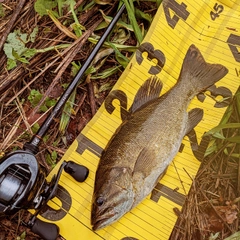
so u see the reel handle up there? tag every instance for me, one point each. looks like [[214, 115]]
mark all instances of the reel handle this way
[[48, 231], [78, 172]]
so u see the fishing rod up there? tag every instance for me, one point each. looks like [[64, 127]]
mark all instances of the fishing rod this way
[[23, 182]]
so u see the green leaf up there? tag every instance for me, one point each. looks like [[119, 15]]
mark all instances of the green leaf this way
[[35, 128], [14, 44], [131, 15], [106, 73], [227, 115], [29, 52], [66, 114], [120, 57], [119, 46], [222, 126], [75, 68], [237, 103], [105, 87], [60, 4], [77, 29], [15, 54], [34, 97], [214, 236], [43, 108], [51, 162], [33, 34], [89, 5], [218, 135], [23, 60], [121, 37], [234, 236], [235, 139], [103, 2], [142, 15], [15, 48], [236, 155], [108, 19], [54, 155], [11, 63], [23, 235], [159, 2], [41, 6], [212, 148], [2, 12], [50, 102]]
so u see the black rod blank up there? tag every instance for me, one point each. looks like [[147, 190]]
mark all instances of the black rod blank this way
[[33, 144]]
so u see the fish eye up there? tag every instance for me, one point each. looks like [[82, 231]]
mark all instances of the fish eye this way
[[100, 201]]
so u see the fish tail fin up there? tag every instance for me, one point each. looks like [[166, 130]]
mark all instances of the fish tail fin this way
[[201, 74]]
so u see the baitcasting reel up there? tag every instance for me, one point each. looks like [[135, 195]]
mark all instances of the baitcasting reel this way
[[23, 186]]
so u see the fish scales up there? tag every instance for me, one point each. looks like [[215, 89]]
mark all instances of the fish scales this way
[[146, 142]]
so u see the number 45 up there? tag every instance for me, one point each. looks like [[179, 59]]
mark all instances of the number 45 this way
[[217, 10]]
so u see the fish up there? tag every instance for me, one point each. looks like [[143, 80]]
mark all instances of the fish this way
[[139, 152]]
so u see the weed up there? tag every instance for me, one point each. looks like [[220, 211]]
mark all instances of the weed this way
[[34, 98]]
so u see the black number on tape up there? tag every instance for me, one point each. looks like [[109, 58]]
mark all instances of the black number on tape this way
[[122, 98], [180, 11], [198, 149], [56, 214], [162, 190], [234, 43], [152, 54], [224, 92], [217, 10], [129, 238], [85, 143]]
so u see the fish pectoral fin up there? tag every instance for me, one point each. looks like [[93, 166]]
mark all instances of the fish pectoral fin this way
[[146, 161], [149, 91], [194, 117]]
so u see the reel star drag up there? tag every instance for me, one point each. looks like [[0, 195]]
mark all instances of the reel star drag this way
[[23, 182]]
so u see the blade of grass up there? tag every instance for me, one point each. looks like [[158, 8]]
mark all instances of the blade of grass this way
[[222, 126], [66, 114], [131, 15], [60, 26], [118, 46], [109, 19], [106, 73]]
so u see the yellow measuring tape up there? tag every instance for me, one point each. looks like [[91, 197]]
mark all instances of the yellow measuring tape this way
[[213, 27]]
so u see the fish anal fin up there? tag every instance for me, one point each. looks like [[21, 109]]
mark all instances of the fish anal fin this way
[[194, 117], [146, 161], [149, 91]]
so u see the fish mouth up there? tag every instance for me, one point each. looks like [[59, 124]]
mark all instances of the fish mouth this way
[[103, 220], [99, 224]]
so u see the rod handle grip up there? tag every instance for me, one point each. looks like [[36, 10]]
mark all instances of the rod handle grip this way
[[48, 231]]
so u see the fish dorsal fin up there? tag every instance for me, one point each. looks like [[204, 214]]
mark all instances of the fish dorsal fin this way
[[194, 117], [149, 91]]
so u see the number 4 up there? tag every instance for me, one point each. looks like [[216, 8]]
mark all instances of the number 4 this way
[[180, 11]]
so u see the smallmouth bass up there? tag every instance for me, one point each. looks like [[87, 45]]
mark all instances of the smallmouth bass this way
[[144, 145]]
